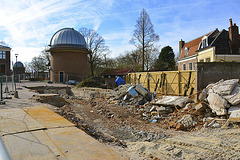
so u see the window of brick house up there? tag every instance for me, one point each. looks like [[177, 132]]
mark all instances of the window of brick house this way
[[193, 65], [190, 66], [201, 60], [184, 66], [186, 51], [2, 55], [208, 59]]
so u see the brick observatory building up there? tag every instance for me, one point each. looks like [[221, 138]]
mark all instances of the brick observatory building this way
[[68, 56]]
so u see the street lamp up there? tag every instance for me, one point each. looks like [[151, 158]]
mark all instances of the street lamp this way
[[16, 63], [16, 92]]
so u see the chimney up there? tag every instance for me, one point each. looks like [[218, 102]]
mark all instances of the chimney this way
[[230, 22], [234, 37], [181, 44]]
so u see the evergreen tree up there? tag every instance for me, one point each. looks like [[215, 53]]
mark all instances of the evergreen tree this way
[[165, 61]]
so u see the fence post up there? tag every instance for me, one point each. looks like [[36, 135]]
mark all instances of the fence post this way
[[1, 80], [179, 83]]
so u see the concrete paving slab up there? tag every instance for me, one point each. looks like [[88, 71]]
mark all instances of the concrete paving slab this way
[[39, 133], [31, 146], [47, 117], [16, 120], [76, 144]]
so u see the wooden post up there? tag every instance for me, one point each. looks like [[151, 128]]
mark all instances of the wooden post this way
[[179, 83]]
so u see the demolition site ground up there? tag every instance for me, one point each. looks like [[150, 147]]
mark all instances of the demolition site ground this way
[[138, 132]]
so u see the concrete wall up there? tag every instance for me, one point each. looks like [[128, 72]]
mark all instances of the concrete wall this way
[[228, 57], [210, 72]]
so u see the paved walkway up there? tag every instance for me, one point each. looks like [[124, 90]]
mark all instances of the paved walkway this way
[[31, 131]]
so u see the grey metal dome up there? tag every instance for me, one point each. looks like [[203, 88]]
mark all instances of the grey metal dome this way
[[18, 64], [67, 37]]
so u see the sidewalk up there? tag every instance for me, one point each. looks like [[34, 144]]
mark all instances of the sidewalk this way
[[31, 131]]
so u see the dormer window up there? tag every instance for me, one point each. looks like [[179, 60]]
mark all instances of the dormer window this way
[[204, 43], [186, 51]]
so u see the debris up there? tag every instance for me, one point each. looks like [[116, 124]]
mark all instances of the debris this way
[[235, 116], [172, 101], [225, 87], [234, 97], [141, 90], [186, 121], [217, 103], [132, 91]]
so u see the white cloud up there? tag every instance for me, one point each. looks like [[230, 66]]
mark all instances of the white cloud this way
[[29, 24]]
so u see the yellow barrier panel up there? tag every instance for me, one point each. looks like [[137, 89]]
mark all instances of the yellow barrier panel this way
[[181, 83]]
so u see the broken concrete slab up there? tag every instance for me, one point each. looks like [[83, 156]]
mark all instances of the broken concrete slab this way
[[234, 116], [217, 104], [172, 101], [234, 97], [233, 108], [53, 99], [225, 87], [141, 90]]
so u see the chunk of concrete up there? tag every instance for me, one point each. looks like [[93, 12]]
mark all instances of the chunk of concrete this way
[[53, 99], [234, 116], [141, 90], [172, 101], [217, 104], [225, 87], [233, 108], [234, 97], [187, 121]]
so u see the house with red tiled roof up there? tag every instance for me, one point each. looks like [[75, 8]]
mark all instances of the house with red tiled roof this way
[[212, 47]]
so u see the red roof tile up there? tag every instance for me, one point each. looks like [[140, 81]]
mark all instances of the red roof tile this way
[[192, 46]]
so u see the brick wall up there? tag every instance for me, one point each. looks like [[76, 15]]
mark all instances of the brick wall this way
[[180, 64], [73, 64]]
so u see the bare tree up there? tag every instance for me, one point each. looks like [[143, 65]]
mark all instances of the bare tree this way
[[144, 36], [96, 44], [39, 64], [130, 59]]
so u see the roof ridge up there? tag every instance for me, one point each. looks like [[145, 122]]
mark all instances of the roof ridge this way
[[217, 36], [201, 36]]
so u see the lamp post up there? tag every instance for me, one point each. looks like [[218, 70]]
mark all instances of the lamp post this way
[[16, 92], [16, 63]]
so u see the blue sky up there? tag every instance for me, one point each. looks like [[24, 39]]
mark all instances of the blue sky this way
[[28, 25]]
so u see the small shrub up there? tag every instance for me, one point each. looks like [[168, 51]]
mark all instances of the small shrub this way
[[89, 83]]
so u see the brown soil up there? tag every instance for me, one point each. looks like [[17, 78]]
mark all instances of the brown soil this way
[[125, 131]]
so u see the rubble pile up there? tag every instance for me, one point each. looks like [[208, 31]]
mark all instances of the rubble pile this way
[[219, 104], [127, 94], [224, 98]]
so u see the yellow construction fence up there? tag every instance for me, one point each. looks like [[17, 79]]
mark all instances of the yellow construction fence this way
[[181, 83]]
